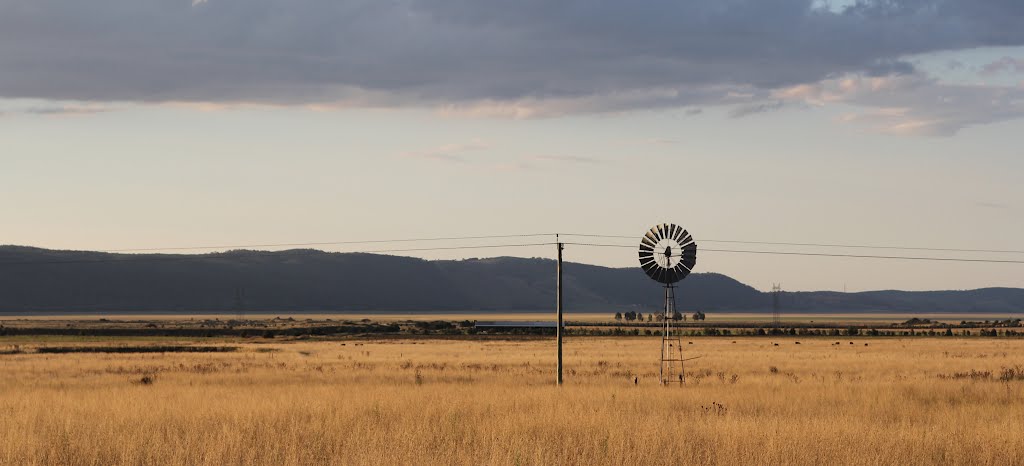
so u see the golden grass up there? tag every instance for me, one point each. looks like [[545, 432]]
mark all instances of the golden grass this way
[[492, 402]]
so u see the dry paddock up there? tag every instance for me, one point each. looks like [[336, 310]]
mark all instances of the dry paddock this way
[[748, 401]]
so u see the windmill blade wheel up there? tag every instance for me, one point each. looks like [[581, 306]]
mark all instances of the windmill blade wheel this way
[[667, 253]]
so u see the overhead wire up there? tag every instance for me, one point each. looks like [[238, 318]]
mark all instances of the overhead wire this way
[[332, 243], [861, 256], [535, 235], [823, 245], [172, 258], [556, 236]]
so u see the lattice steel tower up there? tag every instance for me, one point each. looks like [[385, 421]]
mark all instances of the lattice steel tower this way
[[776, 291]]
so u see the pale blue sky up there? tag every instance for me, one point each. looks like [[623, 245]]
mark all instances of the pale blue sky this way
[[924, 152]]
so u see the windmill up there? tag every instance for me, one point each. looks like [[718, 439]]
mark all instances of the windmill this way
[[667, 255]]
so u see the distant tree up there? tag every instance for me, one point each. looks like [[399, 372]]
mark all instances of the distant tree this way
[[852, 331], [618, 316], [650, 316], [677, 316], [630, 316], [949, 332], [684, 317], [696, 316], [640, 316]]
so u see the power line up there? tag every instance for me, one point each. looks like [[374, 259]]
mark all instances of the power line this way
[[160, 257], [173, 258], [331, 243], [860, 256], [535, 235], [822, 245]]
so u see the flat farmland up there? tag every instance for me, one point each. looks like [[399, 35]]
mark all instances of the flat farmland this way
[[765, 400]]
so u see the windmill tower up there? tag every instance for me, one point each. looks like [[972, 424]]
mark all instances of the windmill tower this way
[[667, 255]]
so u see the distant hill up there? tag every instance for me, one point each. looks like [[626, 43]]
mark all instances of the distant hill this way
[[33, 279]]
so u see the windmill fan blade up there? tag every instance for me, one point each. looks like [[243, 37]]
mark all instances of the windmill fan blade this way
[[680, 233], [685, 237], [645, 241], [662, 274], [646, 256], [673, 276], [652, 236], [672, 231]]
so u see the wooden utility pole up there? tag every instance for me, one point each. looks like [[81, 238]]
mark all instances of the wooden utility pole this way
[[558, 307]]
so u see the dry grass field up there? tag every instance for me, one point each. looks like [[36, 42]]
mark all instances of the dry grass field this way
[[876, 401]]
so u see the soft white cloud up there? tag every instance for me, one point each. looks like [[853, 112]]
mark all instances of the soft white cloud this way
[[576, 159], [454, 152], [913, 104]]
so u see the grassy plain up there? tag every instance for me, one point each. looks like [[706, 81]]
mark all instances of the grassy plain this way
[[437, 401]]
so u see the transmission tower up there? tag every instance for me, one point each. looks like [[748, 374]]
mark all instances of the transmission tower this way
[[776, 291]]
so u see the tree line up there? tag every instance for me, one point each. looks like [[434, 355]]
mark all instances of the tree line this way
[[652, 317]]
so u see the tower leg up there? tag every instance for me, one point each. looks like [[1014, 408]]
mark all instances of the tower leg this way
[[671, 343]]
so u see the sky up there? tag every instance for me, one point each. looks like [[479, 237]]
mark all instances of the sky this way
[[178, 123]]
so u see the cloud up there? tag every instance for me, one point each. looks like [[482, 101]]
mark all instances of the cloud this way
[[913, 104], [65, 110], [53, 108], [746, 110], [1002, 65], [663, 141], [455, 152], [569, 159], [991, 205], [521, 59]]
